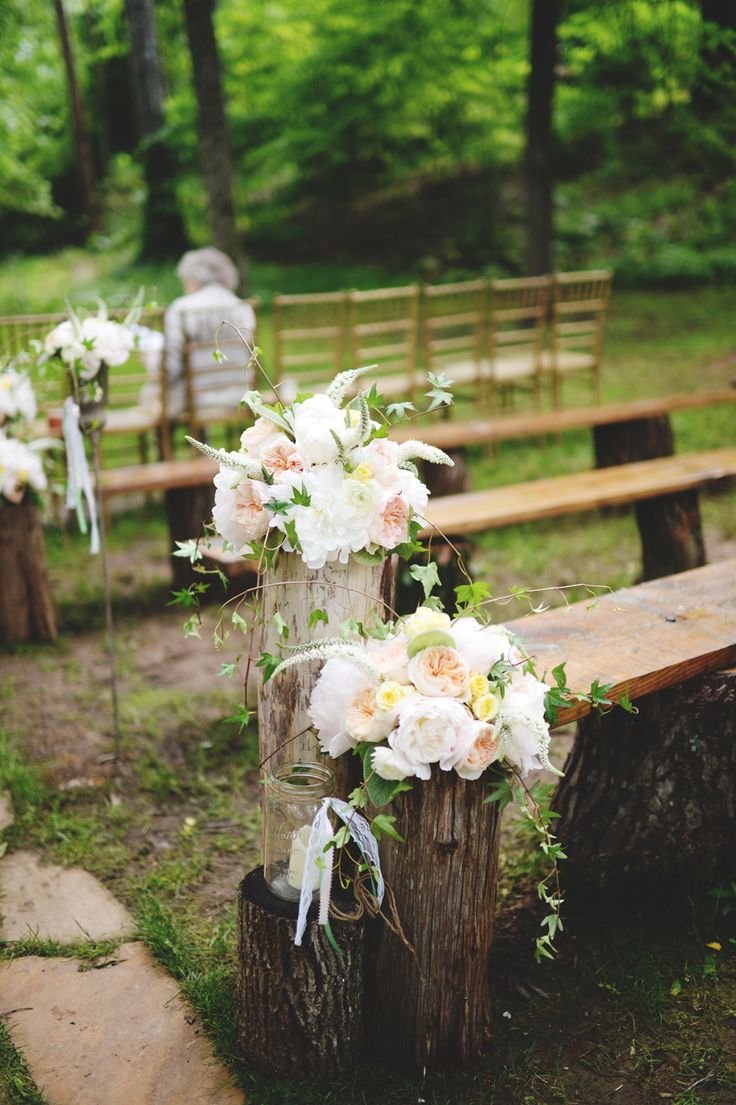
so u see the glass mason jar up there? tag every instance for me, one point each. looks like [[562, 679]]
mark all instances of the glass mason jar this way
[[294, 792]]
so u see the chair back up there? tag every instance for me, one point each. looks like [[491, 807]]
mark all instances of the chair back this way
[[453, 329], [383, 331], [516, 326], [579, 308], [309, 339]]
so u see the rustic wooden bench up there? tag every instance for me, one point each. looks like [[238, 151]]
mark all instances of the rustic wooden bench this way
[[648, 801], [460, 433]]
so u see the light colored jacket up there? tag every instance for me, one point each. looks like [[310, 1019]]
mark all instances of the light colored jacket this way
[[198, 317]]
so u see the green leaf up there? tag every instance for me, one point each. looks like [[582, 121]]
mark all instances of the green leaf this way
[[268, 662], [241, 717], [239, 622], [331, 940], [228, 670], [472, 594], [398, 411], [192, 626], [427, 575], [315, 617], [626, 704], [362, 556], [500, 792], [301, 496], [351, 628], [383, 824], [281, 627], [188, 550], [380, 791]]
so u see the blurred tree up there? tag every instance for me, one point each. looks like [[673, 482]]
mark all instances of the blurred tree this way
[[163, 227], [545, 16], [214, 142]]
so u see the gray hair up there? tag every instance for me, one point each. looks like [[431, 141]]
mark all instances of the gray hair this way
[[208, 266]]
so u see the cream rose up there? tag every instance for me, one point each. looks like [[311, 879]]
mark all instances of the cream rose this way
[[439, 671], [477, 684], [425, 619], [259, 435], [390, 764], [485, 706], [432, 730], [485, 750]]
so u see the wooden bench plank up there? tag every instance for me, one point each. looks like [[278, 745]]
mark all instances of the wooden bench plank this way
[[452, 434], [159, 476], [474, 511], [642, 639]]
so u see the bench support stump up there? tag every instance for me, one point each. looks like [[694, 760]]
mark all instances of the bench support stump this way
[[299, 1010], [648, 802], [26, 607], [669, 526], [433, 1011]]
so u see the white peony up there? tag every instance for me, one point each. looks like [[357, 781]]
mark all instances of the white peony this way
[[20, 469], [315, 422], [433, 730], [481, 646]]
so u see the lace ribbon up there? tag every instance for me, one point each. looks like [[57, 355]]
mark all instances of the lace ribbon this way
[[322, 832], [78, 480]]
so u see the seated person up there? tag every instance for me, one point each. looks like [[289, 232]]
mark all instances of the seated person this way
[[209, 278]]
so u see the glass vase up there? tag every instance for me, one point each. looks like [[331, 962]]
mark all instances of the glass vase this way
[[294, 792]]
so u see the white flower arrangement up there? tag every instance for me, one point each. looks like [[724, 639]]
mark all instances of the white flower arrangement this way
[[21, 468], [434, 691], [17, 398], [320, 478], [86, 344]]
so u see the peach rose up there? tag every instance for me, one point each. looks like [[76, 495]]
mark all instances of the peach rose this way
[[484, 751], [364, 721], [260, 434], [248, 509], [391, 526], [439, 671], [281, 456]]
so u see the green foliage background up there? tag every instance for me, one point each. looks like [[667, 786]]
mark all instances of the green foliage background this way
[[393, 131]]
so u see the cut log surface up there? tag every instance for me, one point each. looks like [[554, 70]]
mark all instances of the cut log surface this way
[[26, 607], [479, 431], [299, 1010], [476, 511], [648, 802], [433, 1012], [641, 639]]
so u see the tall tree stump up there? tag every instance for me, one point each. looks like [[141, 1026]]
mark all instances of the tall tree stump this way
[[670, 526], [299, 1010], [648, 802], [26, 607], [433, 1011], [187, 510], [293, 591]]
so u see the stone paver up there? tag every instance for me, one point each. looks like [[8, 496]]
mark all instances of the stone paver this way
[[7, 817], [56, 903], [115, 1035]]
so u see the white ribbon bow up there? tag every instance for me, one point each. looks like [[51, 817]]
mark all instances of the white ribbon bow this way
[[78, 481], [322, 832]]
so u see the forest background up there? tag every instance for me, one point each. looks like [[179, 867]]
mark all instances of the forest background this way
[[418, 134]]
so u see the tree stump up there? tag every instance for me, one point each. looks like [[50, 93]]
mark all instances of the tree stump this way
[[669, 526], [26, 607], [433, 1012], [187, 510], [648, 802], [293, 590], [299, 1010]]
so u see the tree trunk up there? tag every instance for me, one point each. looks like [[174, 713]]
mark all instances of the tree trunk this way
[[82, 143], [299, 1010], [294, 591], [163, 227], [214, 143], [648, 802], [433, 1012], [539, 174], [187, 510], [26, 606], [670, 526]]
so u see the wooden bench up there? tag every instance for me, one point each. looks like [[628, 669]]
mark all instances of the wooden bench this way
[[476, 511], [458, 434], [647, 802], [162, 475]]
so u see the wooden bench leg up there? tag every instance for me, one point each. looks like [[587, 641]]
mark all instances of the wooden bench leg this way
[[648, 802]]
